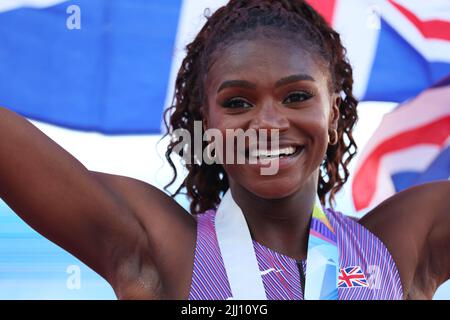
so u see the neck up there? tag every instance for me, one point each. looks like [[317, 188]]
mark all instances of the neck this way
[[279, 224]]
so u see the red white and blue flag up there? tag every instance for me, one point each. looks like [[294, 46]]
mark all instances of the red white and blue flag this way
[[352, 277], [411, 146], [397, 47], [116, 74]]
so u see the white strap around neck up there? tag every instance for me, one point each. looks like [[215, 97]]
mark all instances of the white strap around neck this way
[[238, 253]]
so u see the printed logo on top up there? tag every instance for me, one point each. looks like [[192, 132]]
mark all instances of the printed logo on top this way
[[352, 277]]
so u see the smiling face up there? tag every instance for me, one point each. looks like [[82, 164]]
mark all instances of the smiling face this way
[[273, 84]]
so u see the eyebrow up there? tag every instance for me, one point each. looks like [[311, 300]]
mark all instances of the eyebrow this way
[[236, 84], [293, 78], [279, 83]]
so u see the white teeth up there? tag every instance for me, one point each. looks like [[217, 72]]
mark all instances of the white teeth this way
[[273, 153]]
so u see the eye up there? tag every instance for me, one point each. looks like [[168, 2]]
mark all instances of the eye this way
[[237, 103], [297, 96]]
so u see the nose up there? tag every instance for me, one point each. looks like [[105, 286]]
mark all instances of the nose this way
[[270, 117]]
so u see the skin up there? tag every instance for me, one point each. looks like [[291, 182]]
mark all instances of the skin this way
[[276, 206], [142, 242]]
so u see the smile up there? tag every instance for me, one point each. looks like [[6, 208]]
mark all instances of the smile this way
[[290, 151], [271, 154]]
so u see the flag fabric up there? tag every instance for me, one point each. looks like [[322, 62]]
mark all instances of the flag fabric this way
[[108, 75], [411, 146], [413, 49], [352, 277], [397, 47], [116, 73]]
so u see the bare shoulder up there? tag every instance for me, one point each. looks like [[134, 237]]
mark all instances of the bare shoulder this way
[[408, 224], [147, 201], [171, 233]]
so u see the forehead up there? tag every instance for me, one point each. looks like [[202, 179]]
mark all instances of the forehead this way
[[263, 60]]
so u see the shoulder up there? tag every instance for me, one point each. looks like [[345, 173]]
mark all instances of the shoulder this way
[[406, 223], [170, 232], [358, 246], [152, 207]]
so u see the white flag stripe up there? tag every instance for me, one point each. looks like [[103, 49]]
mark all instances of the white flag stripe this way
[[354, 20], [191, 21], [432, 10], [391, 125], [7, 5], [431, 49], [416, 158]]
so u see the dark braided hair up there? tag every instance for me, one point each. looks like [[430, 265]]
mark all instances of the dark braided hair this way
[[289, 18]]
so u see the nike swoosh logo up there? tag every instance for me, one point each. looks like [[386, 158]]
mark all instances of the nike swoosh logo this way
[[263, 273]]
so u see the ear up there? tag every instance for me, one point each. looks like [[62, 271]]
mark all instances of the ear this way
[[334, 111]]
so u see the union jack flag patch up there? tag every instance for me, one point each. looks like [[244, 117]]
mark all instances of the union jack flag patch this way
[[352, 277]]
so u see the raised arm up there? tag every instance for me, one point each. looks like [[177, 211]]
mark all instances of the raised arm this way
[[71, 206], [415, 226], [439, 236]]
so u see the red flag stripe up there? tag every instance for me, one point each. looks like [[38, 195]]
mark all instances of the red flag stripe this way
[[348, 277], [430, 29], [325, 8], [364, 183]]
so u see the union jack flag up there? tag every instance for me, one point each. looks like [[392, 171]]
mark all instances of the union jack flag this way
[[411, 146], [351, 277]]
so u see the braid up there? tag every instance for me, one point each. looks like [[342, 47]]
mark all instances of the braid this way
[[204, 183]]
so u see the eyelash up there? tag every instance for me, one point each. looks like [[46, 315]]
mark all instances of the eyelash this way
[[308, 95], [229, 103]]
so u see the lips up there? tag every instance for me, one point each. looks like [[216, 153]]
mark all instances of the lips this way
[[280, 152], [283, 151]]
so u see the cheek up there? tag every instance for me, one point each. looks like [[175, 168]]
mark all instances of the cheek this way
[[319, 137], [311, 122], [228, 148], [218, 119], [312, 128]]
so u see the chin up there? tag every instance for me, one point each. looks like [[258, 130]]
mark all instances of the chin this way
[[277, 188], [285, 183]]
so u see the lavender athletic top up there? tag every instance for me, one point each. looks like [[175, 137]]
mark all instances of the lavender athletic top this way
[[281, 278]]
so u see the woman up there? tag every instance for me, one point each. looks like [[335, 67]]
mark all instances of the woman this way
[[256, 64]]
